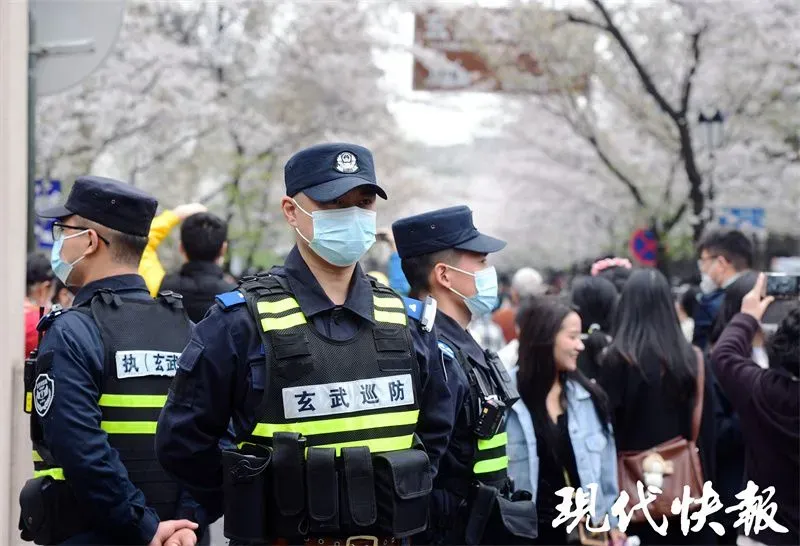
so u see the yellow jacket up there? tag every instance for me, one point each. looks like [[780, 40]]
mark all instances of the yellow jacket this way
[[150, 267]]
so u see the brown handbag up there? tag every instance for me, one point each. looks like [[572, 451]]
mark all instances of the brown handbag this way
[[669, 466]]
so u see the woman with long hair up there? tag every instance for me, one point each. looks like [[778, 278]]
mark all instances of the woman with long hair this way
[[559, 432], [650, 374], [594, 299]]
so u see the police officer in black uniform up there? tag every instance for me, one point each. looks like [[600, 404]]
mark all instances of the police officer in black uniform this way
[[328, 387], [98, 383], [443, 255]]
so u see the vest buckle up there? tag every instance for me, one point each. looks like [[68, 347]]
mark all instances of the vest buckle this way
[[361, 538]]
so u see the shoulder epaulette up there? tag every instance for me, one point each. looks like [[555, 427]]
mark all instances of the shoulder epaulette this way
[[46, 321], [413, 308], [229, 300]]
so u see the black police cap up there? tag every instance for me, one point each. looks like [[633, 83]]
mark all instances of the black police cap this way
[[441, 230], [327, 171], [108, 202]]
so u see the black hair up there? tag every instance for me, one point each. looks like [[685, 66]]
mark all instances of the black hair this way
[[37, 270], [732, 303], [732, 244], [783, 347], [617, 275], [202, 236], [127, 248], [540, 321], [687, 299], [646, 326], [595, 299], [58, 286], [417, 269]]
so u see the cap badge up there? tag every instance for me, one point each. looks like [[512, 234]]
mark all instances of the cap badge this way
[[346, 163]]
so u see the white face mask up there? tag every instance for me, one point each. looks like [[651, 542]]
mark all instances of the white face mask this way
[[707, 284]]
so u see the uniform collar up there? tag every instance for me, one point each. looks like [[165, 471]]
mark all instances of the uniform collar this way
[[116, 283], [313, 299], [453, 331]]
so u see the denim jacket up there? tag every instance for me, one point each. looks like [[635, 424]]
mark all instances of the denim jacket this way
[[595, 451]]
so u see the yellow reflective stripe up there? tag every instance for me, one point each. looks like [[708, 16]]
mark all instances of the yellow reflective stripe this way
[[377, 445], [344, 424], [133, 400], [391, 317], [495, 441], [129, 427], [55, 473], [491, 465], [279, 306], [391, 303], [283, 323], [28, 402], [36, 457]]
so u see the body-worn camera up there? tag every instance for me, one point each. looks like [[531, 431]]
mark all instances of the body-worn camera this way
[[491, 416]]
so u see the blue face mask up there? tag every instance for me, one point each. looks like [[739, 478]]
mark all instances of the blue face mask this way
[[485, 299], [61, 268], [341, 236]]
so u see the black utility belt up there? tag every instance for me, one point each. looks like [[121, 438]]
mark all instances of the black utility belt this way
[[50, 512], [289, 491]]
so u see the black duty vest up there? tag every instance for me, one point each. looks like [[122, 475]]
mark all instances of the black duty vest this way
[[142, 340], [491, 460], [360, 392]]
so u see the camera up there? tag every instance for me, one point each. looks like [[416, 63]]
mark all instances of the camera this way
[[783, 285]]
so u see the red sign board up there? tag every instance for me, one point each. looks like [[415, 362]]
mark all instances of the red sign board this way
[[644, 247]]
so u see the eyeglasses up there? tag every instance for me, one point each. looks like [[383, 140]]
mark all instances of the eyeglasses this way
[[57, 230], [702, 261]]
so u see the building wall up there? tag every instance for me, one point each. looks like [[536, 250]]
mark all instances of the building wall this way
[[15, 463]]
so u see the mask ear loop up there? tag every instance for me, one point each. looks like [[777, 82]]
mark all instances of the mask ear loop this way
[[296, 204]]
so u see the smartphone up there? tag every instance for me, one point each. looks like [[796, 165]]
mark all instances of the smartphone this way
[[783, 285]]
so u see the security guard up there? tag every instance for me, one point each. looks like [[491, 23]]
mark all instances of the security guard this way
[[443, 255], [100, 378], [326, 383]]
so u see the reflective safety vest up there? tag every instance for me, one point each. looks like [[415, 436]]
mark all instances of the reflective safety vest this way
[[142, 340], [490, 465], [359, 392]]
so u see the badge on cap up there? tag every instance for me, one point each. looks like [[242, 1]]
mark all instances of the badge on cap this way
[[346, 163]]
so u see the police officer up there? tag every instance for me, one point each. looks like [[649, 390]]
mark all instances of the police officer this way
[[443, 255], [101, 376], [324, 381]]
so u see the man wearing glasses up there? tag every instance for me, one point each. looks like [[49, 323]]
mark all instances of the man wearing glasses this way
[[723, 255], [99, 381]]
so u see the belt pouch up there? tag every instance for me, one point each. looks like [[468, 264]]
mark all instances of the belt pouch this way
[[288, 511], [244, 486], [323, 490], [358, 504], [494, 519], [49, 511], [403, 485]]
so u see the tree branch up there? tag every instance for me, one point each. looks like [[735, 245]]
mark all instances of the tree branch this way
[[632, 188], [644, 76], [572, 18], [675, 218], [687, 82]]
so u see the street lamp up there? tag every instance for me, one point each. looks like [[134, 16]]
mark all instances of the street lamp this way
[[713, 133]]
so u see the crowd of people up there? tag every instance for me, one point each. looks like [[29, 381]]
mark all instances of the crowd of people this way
[[514, 390]]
